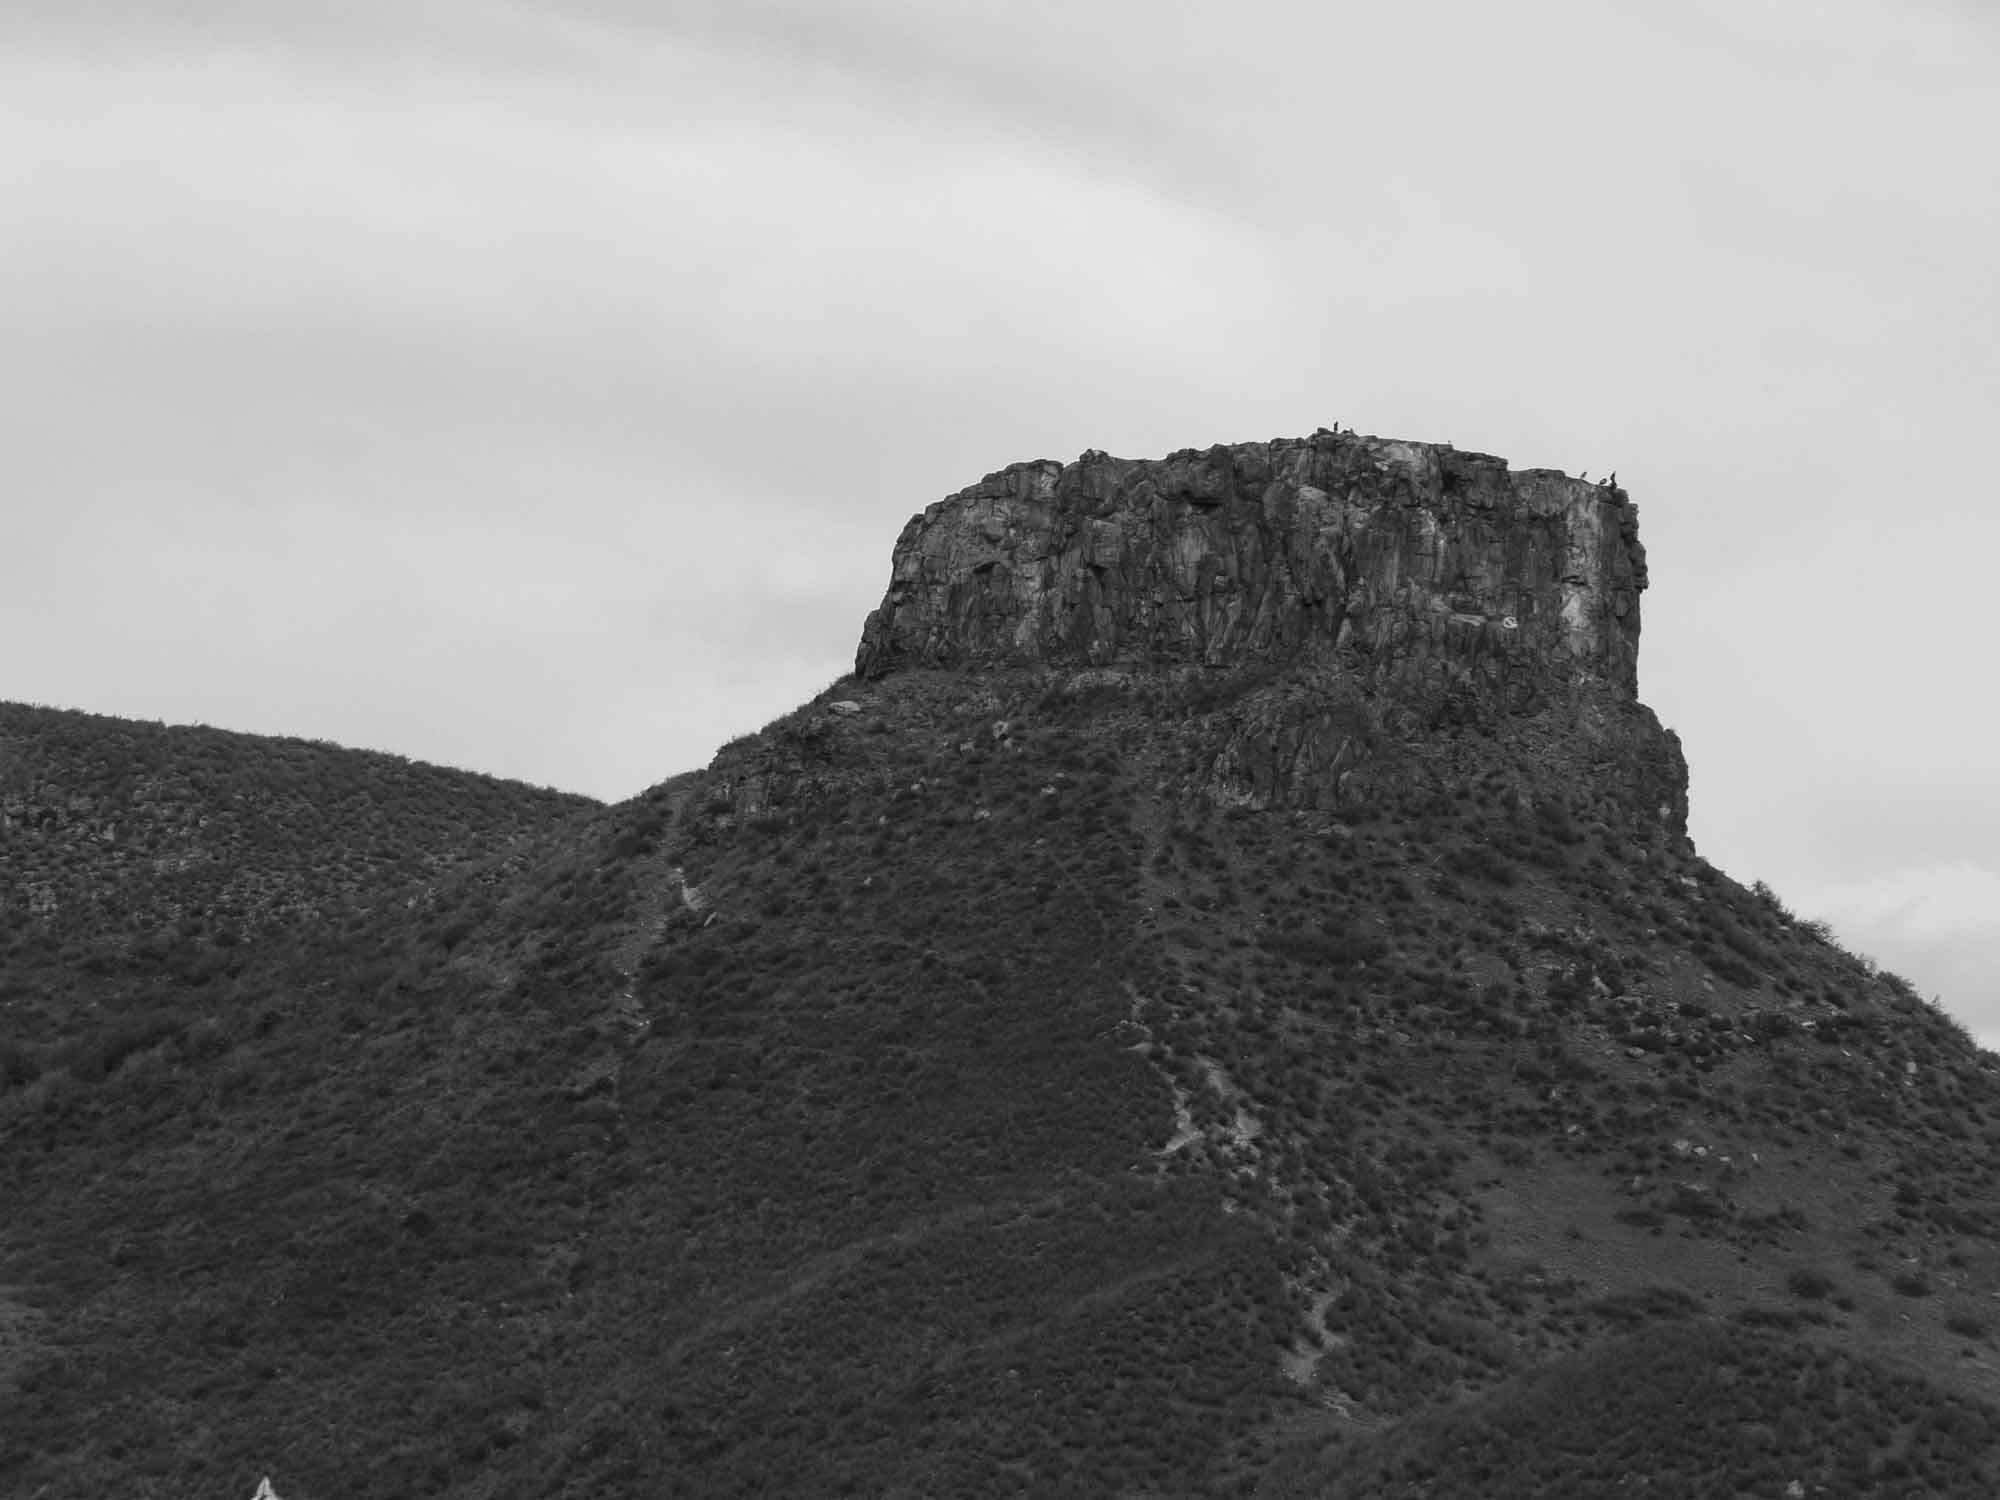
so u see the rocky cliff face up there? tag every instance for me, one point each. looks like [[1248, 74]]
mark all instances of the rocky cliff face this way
[[1392, 552], [1397, 586]]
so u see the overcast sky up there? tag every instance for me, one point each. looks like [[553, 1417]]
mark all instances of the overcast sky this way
[[539, 385]]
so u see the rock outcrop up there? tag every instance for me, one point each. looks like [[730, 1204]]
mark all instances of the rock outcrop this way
[[1395, 587], [1394, 553]]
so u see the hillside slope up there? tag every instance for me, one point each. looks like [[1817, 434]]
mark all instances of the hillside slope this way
[[139, 860], [1304, 1060], [111, 821]]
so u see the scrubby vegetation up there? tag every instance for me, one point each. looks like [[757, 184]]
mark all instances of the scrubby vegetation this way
[[111, 826], [1679, 1409], [960, 1095]]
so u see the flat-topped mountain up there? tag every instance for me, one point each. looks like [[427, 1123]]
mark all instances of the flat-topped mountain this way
[[1361, 593], [1242, 1022]]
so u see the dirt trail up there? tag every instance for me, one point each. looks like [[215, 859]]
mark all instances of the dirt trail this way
[[663, 891]]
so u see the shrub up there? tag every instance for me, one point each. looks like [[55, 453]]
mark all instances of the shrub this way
[[18, 1065], [1480, 862], [1646, 1305], [1771, 900], [1692, 1203], [1786, 1318], [1732, 970]]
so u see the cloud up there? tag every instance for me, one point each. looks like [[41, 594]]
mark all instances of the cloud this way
[[1931, 904], [1938, 925]]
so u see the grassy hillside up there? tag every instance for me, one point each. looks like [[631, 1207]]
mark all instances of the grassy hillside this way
[[944, 1096], [112, 823]]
